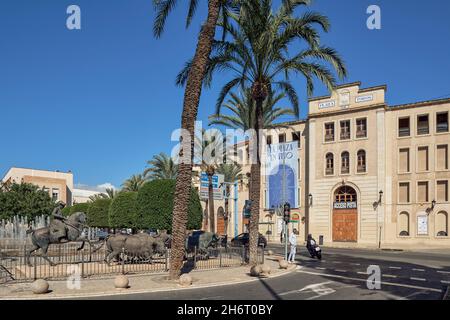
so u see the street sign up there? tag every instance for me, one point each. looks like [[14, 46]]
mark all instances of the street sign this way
[[217, 181]]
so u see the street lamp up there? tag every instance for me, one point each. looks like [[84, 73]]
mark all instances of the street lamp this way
[[378, 202], [310, 196], [433, 203]]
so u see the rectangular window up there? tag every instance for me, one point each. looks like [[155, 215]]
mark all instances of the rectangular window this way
[[442, 157], [422, 159], [403, 127], [442, 122], [345, 130], [329, 131], [442, 191], [403, 192], [422, 192], [269, 140], [361, 128], [403, 161], [296, 137], [282, 138], [423, 125], [55, 194]]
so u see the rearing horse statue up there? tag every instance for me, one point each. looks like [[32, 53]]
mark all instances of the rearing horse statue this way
[[41, 238]]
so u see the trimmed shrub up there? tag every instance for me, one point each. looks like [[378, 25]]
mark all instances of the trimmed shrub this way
[[123, 212], [155, 205], [80, 207], [66, 211], [97, 214]]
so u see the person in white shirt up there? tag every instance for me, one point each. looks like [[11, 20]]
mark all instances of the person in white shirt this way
[[293, 243]]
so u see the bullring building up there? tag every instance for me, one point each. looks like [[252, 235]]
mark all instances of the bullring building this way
[[359, 172]]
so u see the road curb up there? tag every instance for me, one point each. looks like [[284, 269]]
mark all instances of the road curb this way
[[142, 291]]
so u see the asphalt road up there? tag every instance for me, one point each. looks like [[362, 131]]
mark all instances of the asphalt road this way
[[342, 274]]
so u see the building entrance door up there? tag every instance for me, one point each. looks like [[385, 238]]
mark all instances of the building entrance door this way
[[345, 215]]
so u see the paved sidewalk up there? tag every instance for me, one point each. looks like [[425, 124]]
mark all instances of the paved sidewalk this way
[[93, 287]]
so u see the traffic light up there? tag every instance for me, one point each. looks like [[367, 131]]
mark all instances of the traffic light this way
[[287, 212]]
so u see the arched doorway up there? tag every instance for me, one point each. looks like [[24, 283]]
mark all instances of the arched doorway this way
[[345, 215], [220, 221]]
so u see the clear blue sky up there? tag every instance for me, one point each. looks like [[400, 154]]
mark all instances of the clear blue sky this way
[[101, 101]]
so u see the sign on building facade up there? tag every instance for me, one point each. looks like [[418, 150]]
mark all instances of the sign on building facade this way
[[217, 181]]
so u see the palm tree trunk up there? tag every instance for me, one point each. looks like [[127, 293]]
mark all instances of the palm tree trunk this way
[[205, 215], [227, 214], [255, 188], [189, 115], [211, 204]]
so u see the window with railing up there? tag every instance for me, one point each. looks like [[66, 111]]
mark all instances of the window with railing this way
[[329, 160], [345, 162], [361, 161], [442, 122], [345, 130], [403, 127], [329, 131], [282, 138], [423, 124], [361, 128], [296, 137]]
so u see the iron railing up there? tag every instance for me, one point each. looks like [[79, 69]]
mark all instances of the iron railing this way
[[88, 262]]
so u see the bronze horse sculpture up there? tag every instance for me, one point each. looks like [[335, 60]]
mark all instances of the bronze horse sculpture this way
[[41, 238]]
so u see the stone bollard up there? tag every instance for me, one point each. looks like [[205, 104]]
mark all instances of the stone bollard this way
[[40, 286], [266, 269], [255, 271], [284, 264], [185, 280], [121, 282], [269, 252]]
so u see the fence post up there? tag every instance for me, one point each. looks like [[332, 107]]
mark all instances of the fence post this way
[[123, 260], [220, 257], [166, 258], [34, 267], [243, 254], [195, 257], [82, 263]]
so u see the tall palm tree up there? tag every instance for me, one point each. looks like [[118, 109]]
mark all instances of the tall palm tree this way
[[242, 109], [231, 172], [109, 193], [134, 183], [194, 81], [162, 167], [258, 54]]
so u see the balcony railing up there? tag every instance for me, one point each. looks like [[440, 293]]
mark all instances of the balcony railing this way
[[423, 130], [442, 127], [345, 135], [329, 137], [329, 171], [403, 132], [345, 170], [361, 133], [361, 168]]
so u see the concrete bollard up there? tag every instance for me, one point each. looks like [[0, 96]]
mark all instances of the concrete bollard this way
[[270, 252], [40, 286], [284, 264], [255, 271], [121, 282], [266, 269], [185, 280]]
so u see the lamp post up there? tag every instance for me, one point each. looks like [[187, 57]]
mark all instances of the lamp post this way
[[378, 203]]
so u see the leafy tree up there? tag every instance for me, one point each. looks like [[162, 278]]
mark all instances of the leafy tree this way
[[25, 200], [109, 193], [259, 56], [162, 167], [123, 211], [98, 213], [134, 183], [155, 206]]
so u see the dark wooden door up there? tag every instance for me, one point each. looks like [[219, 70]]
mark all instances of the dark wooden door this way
[[345, 225]]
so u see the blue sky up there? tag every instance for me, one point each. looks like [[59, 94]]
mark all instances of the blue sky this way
[[102, 100]]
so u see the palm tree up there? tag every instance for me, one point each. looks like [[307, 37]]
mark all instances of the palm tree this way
[[194, 81], [134, 183], [162, 167], [232, 172], [258, 54], [242, 111], [109, 193]]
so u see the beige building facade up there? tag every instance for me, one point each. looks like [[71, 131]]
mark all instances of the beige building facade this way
[[369, 174]]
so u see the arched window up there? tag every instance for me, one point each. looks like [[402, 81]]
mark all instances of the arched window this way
[[403, 223], [361, 161], [345, 162], [329, 159], [441, 224]]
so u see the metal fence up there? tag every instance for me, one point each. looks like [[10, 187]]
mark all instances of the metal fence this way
[[87, 262]]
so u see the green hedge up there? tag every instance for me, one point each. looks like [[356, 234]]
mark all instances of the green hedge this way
[[123, 212], [98, 213], [155, 205], [78, 207]]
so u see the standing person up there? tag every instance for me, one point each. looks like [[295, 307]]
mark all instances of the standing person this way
[[293, 243]]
